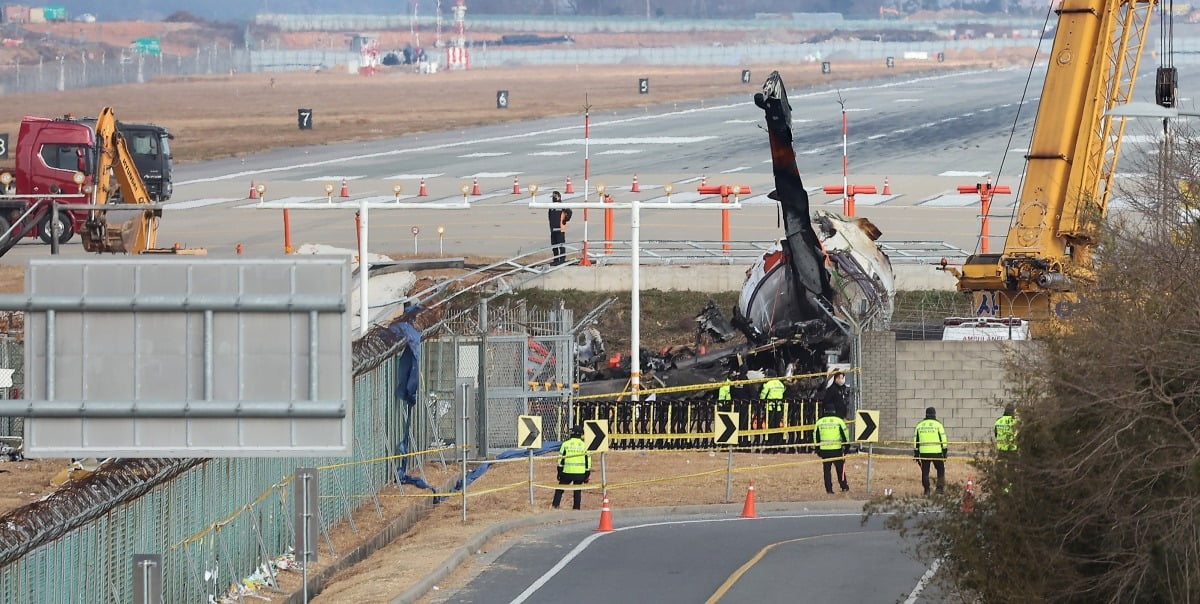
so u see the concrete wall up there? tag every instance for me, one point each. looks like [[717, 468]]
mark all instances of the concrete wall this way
[[964, 381]]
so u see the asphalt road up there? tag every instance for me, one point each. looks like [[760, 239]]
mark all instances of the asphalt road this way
[[926, 135], [806, 556]]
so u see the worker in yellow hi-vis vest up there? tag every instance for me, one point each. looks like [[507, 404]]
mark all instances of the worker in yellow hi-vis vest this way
[[772, 392], [929, 447], [574, 465]]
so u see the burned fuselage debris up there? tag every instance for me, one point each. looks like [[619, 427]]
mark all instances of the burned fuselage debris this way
[[804, 300]]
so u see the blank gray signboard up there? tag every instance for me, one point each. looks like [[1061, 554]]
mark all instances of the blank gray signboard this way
[[178, 356]]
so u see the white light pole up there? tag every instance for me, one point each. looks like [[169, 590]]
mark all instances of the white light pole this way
[[635, 206]]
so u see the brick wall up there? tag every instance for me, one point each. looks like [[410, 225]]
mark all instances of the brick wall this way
[[964, 381]]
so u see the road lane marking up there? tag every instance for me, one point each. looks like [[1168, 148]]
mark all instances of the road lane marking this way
[[737, 574], [923, 581], [578, 549]]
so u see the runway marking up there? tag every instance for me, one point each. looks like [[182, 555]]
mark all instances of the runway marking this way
[[737, 169], [737, 574], [648, 140], [338, 177], [550, 153], [412, 176], [200, 203], [578, 549], [484, 154], [907, 101], [875, 136], [964, 173], [353, 156], [741, 121], [924, 580], [491, 175], [620, 152], [271, 203]]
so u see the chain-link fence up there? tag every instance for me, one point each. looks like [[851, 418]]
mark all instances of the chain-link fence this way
[[214, 521]]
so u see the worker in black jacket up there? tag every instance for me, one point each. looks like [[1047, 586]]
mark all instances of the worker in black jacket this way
[[837, 395], [559, 217]]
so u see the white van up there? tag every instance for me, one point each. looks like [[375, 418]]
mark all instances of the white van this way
[[985, 328]]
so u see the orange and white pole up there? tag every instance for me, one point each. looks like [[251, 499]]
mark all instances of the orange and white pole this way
[[608, 226], [287, 232], [725, 220]]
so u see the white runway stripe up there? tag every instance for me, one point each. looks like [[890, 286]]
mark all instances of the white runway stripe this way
[[200, 203]]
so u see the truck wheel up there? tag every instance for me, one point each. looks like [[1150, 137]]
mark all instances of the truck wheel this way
[[66, 224]]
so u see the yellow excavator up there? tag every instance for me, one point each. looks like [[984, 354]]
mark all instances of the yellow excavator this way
[[1070, 166], [133, 235]]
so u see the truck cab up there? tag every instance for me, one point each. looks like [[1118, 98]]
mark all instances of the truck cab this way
[[151, 149], [49, 154]]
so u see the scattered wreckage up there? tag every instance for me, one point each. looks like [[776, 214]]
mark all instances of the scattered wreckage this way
[[802, 303]]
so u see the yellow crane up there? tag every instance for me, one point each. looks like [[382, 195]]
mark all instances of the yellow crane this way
[[1069, 170]]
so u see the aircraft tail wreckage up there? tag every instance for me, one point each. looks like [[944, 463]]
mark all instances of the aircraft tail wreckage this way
[[805, 299]]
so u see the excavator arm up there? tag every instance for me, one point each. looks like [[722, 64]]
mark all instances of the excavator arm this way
[[134, 235], [1069, 169]]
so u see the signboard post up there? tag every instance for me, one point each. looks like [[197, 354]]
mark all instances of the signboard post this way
[[147, 46], [595, 440], [173, 357], [866, 429], [727, 434], [529, 436]]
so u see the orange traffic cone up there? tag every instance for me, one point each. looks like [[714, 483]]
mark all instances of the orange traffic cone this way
[[570, 187], [748, 508], [475, 188], [422, 192], [516, 186], [968, 500], [605, 516], [253, 191], [635, 188], [345, 189], [887, 187]]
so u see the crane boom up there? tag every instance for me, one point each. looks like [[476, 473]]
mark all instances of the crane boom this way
[[1069, 169]]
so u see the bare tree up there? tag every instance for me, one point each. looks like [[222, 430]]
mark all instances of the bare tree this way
[[1101, 502]]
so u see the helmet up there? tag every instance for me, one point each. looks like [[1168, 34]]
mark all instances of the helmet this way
[[930, 412], [577, 432], [770, 373], [828, 410], [1009, 409], [556, 196]]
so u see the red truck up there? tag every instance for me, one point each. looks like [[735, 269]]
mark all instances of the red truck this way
[[59, 157]]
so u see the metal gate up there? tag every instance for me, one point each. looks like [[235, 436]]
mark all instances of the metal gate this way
[[526, 368]]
